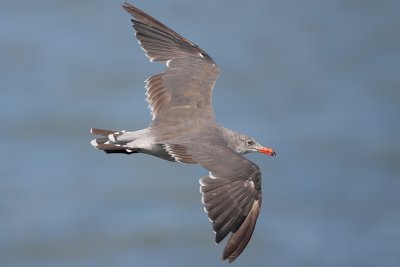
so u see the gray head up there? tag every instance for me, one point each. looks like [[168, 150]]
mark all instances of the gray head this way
[[244, 144]]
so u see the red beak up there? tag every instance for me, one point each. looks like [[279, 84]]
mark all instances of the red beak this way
[[267, 150]]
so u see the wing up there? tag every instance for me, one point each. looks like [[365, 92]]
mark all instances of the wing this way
[[183, 91], [231, 195]]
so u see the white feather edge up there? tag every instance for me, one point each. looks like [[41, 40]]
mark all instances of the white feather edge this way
[[170, 152]]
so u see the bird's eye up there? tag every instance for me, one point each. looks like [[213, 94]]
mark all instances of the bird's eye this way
[[250, 142]]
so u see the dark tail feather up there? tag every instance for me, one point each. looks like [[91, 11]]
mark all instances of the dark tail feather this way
[[101, 132], [107, 145]]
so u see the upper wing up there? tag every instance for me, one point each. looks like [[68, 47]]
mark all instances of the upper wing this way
[[183, 91], [231, 195]]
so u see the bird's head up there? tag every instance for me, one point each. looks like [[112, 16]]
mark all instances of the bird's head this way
[[248, 144]]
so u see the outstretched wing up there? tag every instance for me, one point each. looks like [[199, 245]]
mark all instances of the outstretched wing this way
[[231, 195], [183, 91]]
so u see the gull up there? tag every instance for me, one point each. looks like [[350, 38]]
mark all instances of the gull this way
[[184, 129]]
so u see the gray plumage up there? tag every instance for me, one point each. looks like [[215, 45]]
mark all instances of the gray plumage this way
[[183, 129]]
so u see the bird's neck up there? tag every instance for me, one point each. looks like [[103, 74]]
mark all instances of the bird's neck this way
[[232, 139]]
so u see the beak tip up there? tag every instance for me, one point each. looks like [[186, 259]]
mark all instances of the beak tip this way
[[268, 151]]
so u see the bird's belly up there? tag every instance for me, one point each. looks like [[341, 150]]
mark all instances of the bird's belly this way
[[157, 150], [148, 146]]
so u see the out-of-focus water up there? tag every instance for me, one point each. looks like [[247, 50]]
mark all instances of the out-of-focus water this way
[[317, 80]]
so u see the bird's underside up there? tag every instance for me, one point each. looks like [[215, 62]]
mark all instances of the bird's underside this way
[[183, 129]]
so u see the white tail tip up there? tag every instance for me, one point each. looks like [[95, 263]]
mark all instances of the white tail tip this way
[[94, 143]]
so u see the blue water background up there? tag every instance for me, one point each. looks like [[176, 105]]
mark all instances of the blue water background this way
[[318, 81]]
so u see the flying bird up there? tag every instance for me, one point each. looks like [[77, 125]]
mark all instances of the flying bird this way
[[184, 129]]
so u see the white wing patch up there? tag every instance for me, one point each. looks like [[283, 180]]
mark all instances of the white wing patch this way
[[212, 176]]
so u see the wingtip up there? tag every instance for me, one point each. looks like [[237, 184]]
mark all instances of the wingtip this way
[[134, 11], [239, 239], [126, 5]]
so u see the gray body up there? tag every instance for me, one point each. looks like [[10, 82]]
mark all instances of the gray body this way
[[145, 141]]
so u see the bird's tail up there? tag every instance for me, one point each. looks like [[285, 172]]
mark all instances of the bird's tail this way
[[109, 143]]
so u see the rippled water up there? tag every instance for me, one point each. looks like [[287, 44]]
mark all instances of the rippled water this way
[[318, 81]]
